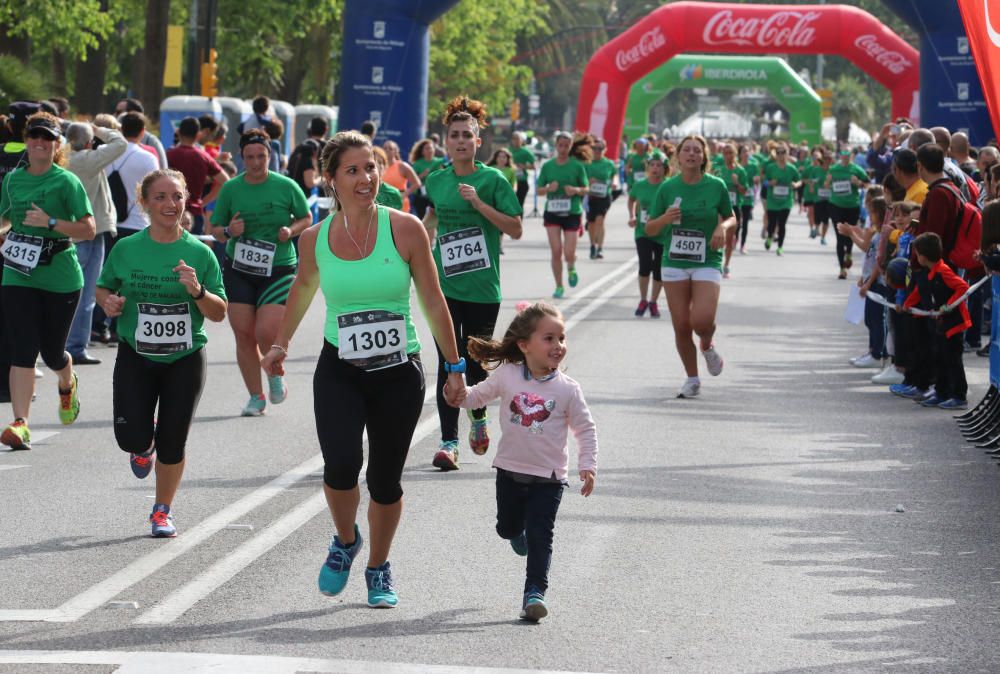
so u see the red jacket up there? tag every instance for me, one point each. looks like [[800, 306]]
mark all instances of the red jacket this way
[[944, 287], [939, 214]]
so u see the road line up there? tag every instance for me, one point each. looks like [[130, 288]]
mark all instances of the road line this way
[[178, 602], [146, 662]]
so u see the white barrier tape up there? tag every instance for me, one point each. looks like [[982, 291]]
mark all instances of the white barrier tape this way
[[878, 299]]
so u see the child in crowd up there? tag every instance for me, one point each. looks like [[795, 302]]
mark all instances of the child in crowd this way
[[942, 287], [540, 404], [900, 325], [868, 240]]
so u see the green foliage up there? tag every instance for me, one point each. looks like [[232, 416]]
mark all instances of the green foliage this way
[[71, 26], [851, 103], [19, 82], [471, 51]]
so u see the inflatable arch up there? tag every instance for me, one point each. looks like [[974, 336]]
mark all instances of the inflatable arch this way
[[683, 27], [805, 110]]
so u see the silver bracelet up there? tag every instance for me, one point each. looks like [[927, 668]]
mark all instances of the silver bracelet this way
[[279, 348]]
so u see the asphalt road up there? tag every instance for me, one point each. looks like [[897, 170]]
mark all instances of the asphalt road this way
[[752, 529]]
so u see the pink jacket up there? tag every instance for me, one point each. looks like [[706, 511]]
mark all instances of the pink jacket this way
[[535, 417]]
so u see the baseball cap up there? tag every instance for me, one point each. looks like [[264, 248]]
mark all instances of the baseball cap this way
[[46, 126]]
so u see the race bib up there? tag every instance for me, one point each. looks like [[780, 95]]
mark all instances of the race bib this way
[[824, 194], [463, 251], [22, 252], [639, 175], [519, 174], [254, 257], [598, 189], [163, 329], [841, 186], [688, 245], [643, 216], [733, 197], [560, 206], [781, 191], [372, 340]]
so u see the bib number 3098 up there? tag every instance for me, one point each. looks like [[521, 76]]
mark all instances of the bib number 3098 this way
[[254, 257], [688, 245], [463, 251], [372, 340], [163, 329]]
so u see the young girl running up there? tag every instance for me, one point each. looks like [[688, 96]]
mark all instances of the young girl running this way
[[540, 405]]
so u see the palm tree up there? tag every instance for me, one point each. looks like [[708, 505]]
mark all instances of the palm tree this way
[[851, 103]]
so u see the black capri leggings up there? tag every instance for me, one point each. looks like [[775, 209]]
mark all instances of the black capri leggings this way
[[650, 257], [347, 400], [37, 322], [140, 386], [844, 243], [522, 190], [776, 220], [746, 215], [471, 319]]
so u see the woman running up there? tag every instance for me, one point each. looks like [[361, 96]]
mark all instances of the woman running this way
[[524, 163], [387, 194], [694, 208], [162, 283], [503, 161], [735, 178], [602, 174], [812, 180], [782, 179], [365, 258], [399, 174], [845, 180], [751, 179], [821, 209], [257, 215], [43, 207], [471, 205], [563, 180], [649, 248]]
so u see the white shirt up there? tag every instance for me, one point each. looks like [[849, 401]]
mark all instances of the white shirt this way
[[133, 167]]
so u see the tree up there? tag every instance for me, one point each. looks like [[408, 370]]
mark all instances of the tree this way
[[851, 103], [148, 85]]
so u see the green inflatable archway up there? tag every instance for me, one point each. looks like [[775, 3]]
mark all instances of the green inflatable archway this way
[[728, 72]]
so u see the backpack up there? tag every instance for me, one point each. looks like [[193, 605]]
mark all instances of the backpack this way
[[119, 194], [968, 231]]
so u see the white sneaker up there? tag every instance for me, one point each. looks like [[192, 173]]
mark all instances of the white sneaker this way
[[890, 375], [857, 358], [690, 389], [713, 360], [868, 361]]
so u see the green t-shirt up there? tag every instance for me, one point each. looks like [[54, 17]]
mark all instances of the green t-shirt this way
[[601, 173], [750, 170], [780, 192], [844, 193], [733, 177], [510, 173], [644, 193], [160, 319], [467, 254], [61, 195], [429, 165], [686, 243], [265, 208], [522, 155], [635, 165], [389, 196], [572, 173], [817, 174]]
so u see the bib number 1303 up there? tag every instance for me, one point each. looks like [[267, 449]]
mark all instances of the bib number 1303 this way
[[373, 339]]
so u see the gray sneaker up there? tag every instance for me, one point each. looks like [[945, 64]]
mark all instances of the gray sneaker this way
[[713, 360]]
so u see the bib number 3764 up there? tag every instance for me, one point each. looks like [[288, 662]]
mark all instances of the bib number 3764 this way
[[463, 251], [373, 339]]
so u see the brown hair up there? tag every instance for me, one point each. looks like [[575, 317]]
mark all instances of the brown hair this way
[[335, 148], [991, 226], [60, 158], [254, 137], [275, 128], [878, 208], [153, 176], [928, 244], [380, 155], [704, 149], [463, 108], [417, 151], [580, 143], [491, 353], [892, 185]]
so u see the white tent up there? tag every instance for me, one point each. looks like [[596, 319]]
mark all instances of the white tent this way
[[856, 136], [714, 124]]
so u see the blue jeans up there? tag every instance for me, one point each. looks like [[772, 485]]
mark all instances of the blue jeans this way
[[530, 508], [876, 320], [91, 257]]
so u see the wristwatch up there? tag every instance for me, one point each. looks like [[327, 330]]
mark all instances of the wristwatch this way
[[455, 368], [52, 224], [225, 231]]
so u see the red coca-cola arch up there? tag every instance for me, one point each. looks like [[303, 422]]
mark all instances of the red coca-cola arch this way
[[705, 27]]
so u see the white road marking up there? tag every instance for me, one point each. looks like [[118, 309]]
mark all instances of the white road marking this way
[[13, 467], [212, 663], [182, 599]]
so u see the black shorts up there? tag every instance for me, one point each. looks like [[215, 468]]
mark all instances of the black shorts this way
[[597, 206], [568, 222], [821, 212], [257, 290]]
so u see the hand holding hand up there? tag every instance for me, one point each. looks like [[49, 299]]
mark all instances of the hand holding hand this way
[[455, 391], [588, 478], [273, 362]]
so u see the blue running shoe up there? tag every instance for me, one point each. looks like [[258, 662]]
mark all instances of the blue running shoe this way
[[277, 390], [905, 390], [163, 523], [336, 569], [931, 401], [520, 544], [254, 407], [533, 608], [954, 404], [142, 463], [381, 592], [574, 278]]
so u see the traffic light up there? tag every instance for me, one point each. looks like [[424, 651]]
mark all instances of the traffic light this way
[[515, 110], [210, 76], [826, 100]]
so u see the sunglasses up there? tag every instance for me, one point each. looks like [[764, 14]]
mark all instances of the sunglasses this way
[[781, 152]]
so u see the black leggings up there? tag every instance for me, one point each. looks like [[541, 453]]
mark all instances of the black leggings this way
[[746, 215], [471, 319], [650, 257], [37, 322], [777, 220], [140, 386], [348, 400], [522, 191], [844, 243]]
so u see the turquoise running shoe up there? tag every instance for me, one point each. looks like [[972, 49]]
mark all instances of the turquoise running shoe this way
[[520, 544], [533, 608], [574, 278], [277, 390], [333, 576], [254, 407], [381, 592]]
